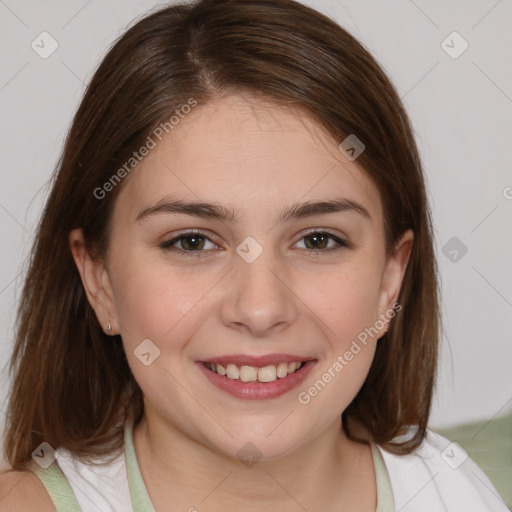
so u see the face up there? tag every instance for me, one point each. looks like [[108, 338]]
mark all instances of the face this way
[[283, 262]]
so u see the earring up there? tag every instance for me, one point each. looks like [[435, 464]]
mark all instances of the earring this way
[[109, 329]]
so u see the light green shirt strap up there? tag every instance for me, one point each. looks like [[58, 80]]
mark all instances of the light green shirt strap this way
[[141, 501], [62, 494], [64, 499], [385, 501], [57, 487]]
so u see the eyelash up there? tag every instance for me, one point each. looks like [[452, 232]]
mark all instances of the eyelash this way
[[168, 245]]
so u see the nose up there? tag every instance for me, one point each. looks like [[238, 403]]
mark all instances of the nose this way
[[259, 298]]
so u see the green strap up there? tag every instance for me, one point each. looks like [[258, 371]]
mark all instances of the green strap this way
[[64, 499], [62, 494], [58, 487], [385, 501], [141, 501]]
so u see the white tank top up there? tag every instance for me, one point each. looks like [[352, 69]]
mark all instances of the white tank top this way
[[97, 488], [119, 487]]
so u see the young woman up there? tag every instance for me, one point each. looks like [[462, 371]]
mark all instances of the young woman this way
[[232, 302]]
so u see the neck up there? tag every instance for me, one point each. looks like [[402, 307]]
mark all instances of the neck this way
[[322, 474]]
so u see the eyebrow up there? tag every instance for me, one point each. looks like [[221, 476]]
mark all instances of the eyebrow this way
[[215, 211]]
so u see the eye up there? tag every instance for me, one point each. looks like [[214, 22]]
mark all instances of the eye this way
[[192, 243], [195, 243], [322, 240]]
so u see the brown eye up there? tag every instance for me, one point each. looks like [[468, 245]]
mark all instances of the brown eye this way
[[321, 240], [189, 243]]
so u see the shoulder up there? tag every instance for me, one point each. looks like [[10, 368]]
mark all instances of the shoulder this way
[[438, 476], [22, 491]]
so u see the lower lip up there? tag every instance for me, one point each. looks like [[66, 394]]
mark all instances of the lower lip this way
[[258, 390]]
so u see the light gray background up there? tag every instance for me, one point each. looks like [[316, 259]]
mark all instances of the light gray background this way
[[461, 111]]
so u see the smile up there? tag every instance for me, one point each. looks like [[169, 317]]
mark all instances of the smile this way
[[244, 373], [259, 380]]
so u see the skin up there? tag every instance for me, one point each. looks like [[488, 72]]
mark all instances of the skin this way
[[257, 159]]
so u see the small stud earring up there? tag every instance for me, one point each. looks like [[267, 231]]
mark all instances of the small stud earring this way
[[109, 329]]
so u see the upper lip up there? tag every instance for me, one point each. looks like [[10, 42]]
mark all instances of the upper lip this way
[[259, 361]]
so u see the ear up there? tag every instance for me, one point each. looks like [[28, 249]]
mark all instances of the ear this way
[[393, 275], [96, 282]]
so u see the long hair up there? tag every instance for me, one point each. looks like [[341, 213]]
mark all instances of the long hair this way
[[71, 385]]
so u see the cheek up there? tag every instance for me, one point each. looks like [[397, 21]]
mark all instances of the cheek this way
[[154, 302], [159, 302], [346, 300], [347, 305]]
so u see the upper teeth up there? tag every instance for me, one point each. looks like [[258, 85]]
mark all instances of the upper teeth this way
[[251, 373]]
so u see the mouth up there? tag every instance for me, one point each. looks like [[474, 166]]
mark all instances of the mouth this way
[[261, 379], [246, 373]]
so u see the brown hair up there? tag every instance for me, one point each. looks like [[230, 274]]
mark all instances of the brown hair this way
[[71, 383]]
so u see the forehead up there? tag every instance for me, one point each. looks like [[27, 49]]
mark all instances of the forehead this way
[[250, 155]]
